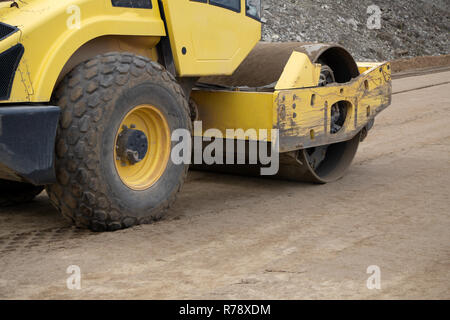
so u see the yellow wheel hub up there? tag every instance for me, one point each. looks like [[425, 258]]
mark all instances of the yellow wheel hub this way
[[142, 147]]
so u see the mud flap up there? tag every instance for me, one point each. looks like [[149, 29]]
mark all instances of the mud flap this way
[[27, 143]]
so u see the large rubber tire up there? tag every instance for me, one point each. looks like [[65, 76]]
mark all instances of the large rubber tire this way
[[13, 193], [94, 98]]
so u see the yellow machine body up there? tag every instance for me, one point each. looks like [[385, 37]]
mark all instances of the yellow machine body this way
[[298, 107], [57, 35], [208, 39], [193, 39]]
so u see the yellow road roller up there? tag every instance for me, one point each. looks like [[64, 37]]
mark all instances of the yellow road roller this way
[[92, 93]]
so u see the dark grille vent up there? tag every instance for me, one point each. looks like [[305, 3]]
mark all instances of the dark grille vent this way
[[140, 4], [9, 61], [6, 30]]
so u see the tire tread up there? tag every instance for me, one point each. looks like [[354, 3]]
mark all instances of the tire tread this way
[[84, 96]]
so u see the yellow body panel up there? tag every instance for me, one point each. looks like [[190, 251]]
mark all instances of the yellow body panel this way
[[365, 66], [215, 40], [299, 72], [52, 32], [302, 110], [50, 35], [302, 115], [224, 110]]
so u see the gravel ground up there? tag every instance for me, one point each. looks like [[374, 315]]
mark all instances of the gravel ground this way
[[408, 27]]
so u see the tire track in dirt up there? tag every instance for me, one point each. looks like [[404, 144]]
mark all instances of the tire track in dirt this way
[[55, 237]]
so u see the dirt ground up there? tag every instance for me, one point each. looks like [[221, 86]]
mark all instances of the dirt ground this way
[[418, 63], [247, 238]]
